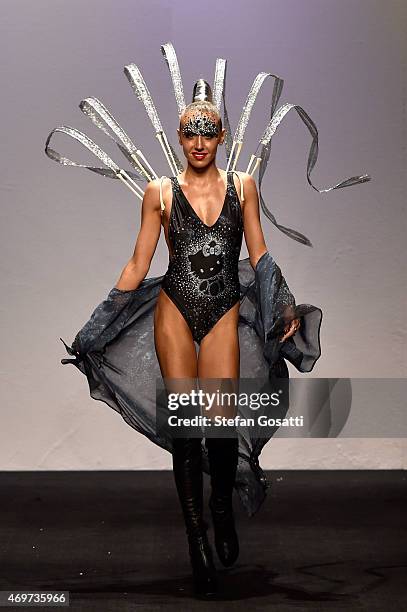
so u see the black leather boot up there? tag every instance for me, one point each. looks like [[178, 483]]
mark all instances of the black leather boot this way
[[187, 466], [223, 458]]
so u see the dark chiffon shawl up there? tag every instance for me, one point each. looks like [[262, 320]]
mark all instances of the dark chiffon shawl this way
[[115, 351]]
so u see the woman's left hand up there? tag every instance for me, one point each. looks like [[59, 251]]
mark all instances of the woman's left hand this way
[[290, 329]]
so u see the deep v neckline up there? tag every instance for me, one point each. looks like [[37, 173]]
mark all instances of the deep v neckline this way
[[194, 211]]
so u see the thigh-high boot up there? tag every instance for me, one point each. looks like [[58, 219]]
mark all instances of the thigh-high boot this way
[[187, 466], [223, 459]]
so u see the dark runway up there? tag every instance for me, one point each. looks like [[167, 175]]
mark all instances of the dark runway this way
[[322, 541]]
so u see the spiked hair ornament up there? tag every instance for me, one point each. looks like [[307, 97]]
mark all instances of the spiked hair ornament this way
[[211, 98], [202, 91]]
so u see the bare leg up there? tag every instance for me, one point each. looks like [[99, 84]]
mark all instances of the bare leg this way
[[219, 355], [174, 344]]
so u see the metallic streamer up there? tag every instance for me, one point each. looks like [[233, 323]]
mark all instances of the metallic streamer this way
[[101, 117], [178, 163], [170, 57], [112, 171], [246, 112], [248, 106], [265, 149], [277, 89], [218, 82], [226, 124], [86, 142], [139, 87], [95, 109]]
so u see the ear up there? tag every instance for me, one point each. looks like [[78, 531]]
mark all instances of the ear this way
[[222, 136]]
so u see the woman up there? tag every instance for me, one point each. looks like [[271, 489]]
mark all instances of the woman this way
[[203, 218], [240, 312]]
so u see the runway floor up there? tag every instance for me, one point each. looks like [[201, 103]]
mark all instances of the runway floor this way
[[322, 541]]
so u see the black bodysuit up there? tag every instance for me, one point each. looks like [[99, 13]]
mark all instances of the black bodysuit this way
[[202, 277]]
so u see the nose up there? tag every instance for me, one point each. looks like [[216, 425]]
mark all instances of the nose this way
[[199, 143]]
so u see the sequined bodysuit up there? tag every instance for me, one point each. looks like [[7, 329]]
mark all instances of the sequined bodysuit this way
[[202, 277]]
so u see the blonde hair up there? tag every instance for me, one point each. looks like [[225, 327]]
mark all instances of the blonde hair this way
[[203, 106]]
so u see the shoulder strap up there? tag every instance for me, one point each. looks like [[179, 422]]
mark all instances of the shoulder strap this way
[[241, 184], [161, 193]]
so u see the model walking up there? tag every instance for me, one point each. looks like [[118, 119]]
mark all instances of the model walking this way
[[204, 221], [241, 313]]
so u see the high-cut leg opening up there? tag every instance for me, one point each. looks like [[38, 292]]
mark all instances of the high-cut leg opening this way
[[181, 310]]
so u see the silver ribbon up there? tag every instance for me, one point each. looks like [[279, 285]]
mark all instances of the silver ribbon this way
[[247, 110], [248, 106], [170, 57], [177, 160], [218, 82], [264, 149], [112, 170], [226, 124], [140, 88], [95, 109], [101, 116]]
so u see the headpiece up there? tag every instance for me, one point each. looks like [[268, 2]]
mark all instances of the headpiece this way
[[202, 91], [143, 171]]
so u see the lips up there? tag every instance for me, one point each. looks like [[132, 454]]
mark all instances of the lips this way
[[199, 156]]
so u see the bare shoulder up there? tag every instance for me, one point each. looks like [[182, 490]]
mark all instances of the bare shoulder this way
[[246, 187], [245, 178], [153, 188], [248, 180]]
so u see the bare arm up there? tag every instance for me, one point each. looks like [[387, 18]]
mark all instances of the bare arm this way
[[255, 240], [253, 232], [138, 265]]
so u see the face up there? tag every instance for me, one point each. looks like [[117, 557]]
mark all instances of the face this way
[[199, 136]]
